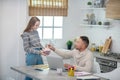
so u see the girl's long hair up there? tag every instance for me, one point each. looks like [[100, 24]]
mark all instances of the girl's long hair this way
[[31, 23]]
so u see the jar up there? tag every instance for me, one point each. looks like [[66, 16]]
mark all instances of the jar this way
[[93, 47]]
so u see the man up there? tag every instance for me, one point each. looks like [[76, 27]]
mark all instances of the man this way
[[82, 56]]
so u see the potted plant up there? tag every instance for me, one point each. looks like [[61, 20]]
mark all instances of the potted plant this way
[[89, 4], [99, 23], [69, 44]]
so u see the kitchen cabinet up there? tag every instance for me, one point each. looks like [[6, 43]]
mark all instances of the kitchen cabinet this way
[[118, 64], [107, 63], [113, 9]]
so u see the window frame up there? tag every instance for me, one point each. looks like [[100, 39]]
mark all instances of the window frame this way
[[53, 27]]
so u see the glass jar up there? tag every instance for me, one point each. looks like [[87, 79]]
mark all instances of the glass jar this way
[[93, 47]]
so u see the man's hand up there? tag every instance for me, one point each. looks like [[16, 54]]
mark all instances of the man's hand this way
[[51, 47], [67, 66]]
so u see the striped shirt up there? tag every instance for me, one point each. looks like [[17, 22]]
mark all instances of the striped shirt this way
[[31, 41]]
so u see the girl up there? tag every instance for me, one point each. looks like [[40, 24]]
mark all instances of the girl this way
[[31, 43]]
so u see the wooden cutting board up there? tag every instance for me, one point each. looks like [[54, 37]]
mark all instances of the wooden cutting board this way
[[107, 45]]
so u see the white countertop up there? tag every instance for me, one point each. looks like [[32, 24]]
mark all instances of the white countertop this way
[[46, 74]]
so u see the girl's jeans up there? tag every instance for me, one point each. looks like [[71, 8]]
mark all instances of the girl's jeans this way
[[33, 59]]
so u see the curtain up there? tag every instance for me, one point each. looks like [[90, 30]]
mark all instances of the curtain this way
[[48, 7]]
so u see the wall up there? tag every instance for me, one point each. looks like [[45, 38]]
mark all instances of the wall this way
[[72, 27], [71, 24], [0, 34], [100, 34], [9, 50], [14, 18]]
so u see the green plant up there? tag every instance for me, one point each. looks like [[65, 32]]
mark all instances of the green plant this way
[[89, 3], [69, 43], [99, 23]]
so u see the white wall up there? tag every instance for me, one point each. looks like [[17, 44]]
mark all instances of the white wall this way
[[14, 17], [0, 34], [9, 39], [12, 54], [72, 28], [71, 23]]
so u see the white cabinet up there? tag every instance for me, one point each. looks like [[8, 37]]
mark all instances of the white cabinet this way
[[118, 64]]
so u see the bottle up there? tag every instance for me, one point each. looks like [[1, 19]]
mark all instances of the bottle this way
[[100, 46], [93, 47]]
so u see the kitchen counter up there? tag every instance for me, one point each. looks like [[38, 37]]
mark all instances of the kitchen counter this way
[[99, 55]]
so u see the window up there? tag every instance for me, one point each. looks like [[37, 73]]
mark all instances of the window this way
[[50, 27]]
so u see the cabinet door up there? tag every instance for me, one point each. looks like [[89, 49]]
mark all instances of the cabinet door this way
[[118, 64], [113, 9]]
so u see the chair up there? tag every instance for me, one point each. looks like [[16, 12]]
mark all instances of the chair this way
[[96, 67], [113, 75]]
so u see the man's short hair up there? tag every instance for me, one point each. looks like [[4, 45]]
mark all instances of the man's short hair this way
[[85, 40]]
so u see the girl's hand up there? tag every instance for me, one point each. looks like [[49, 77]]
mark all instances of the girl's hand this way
[[43, 53], [46, 51]]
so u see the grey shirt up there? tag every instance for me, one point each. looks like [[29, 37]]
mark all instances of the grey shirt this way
[[31, 41]]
